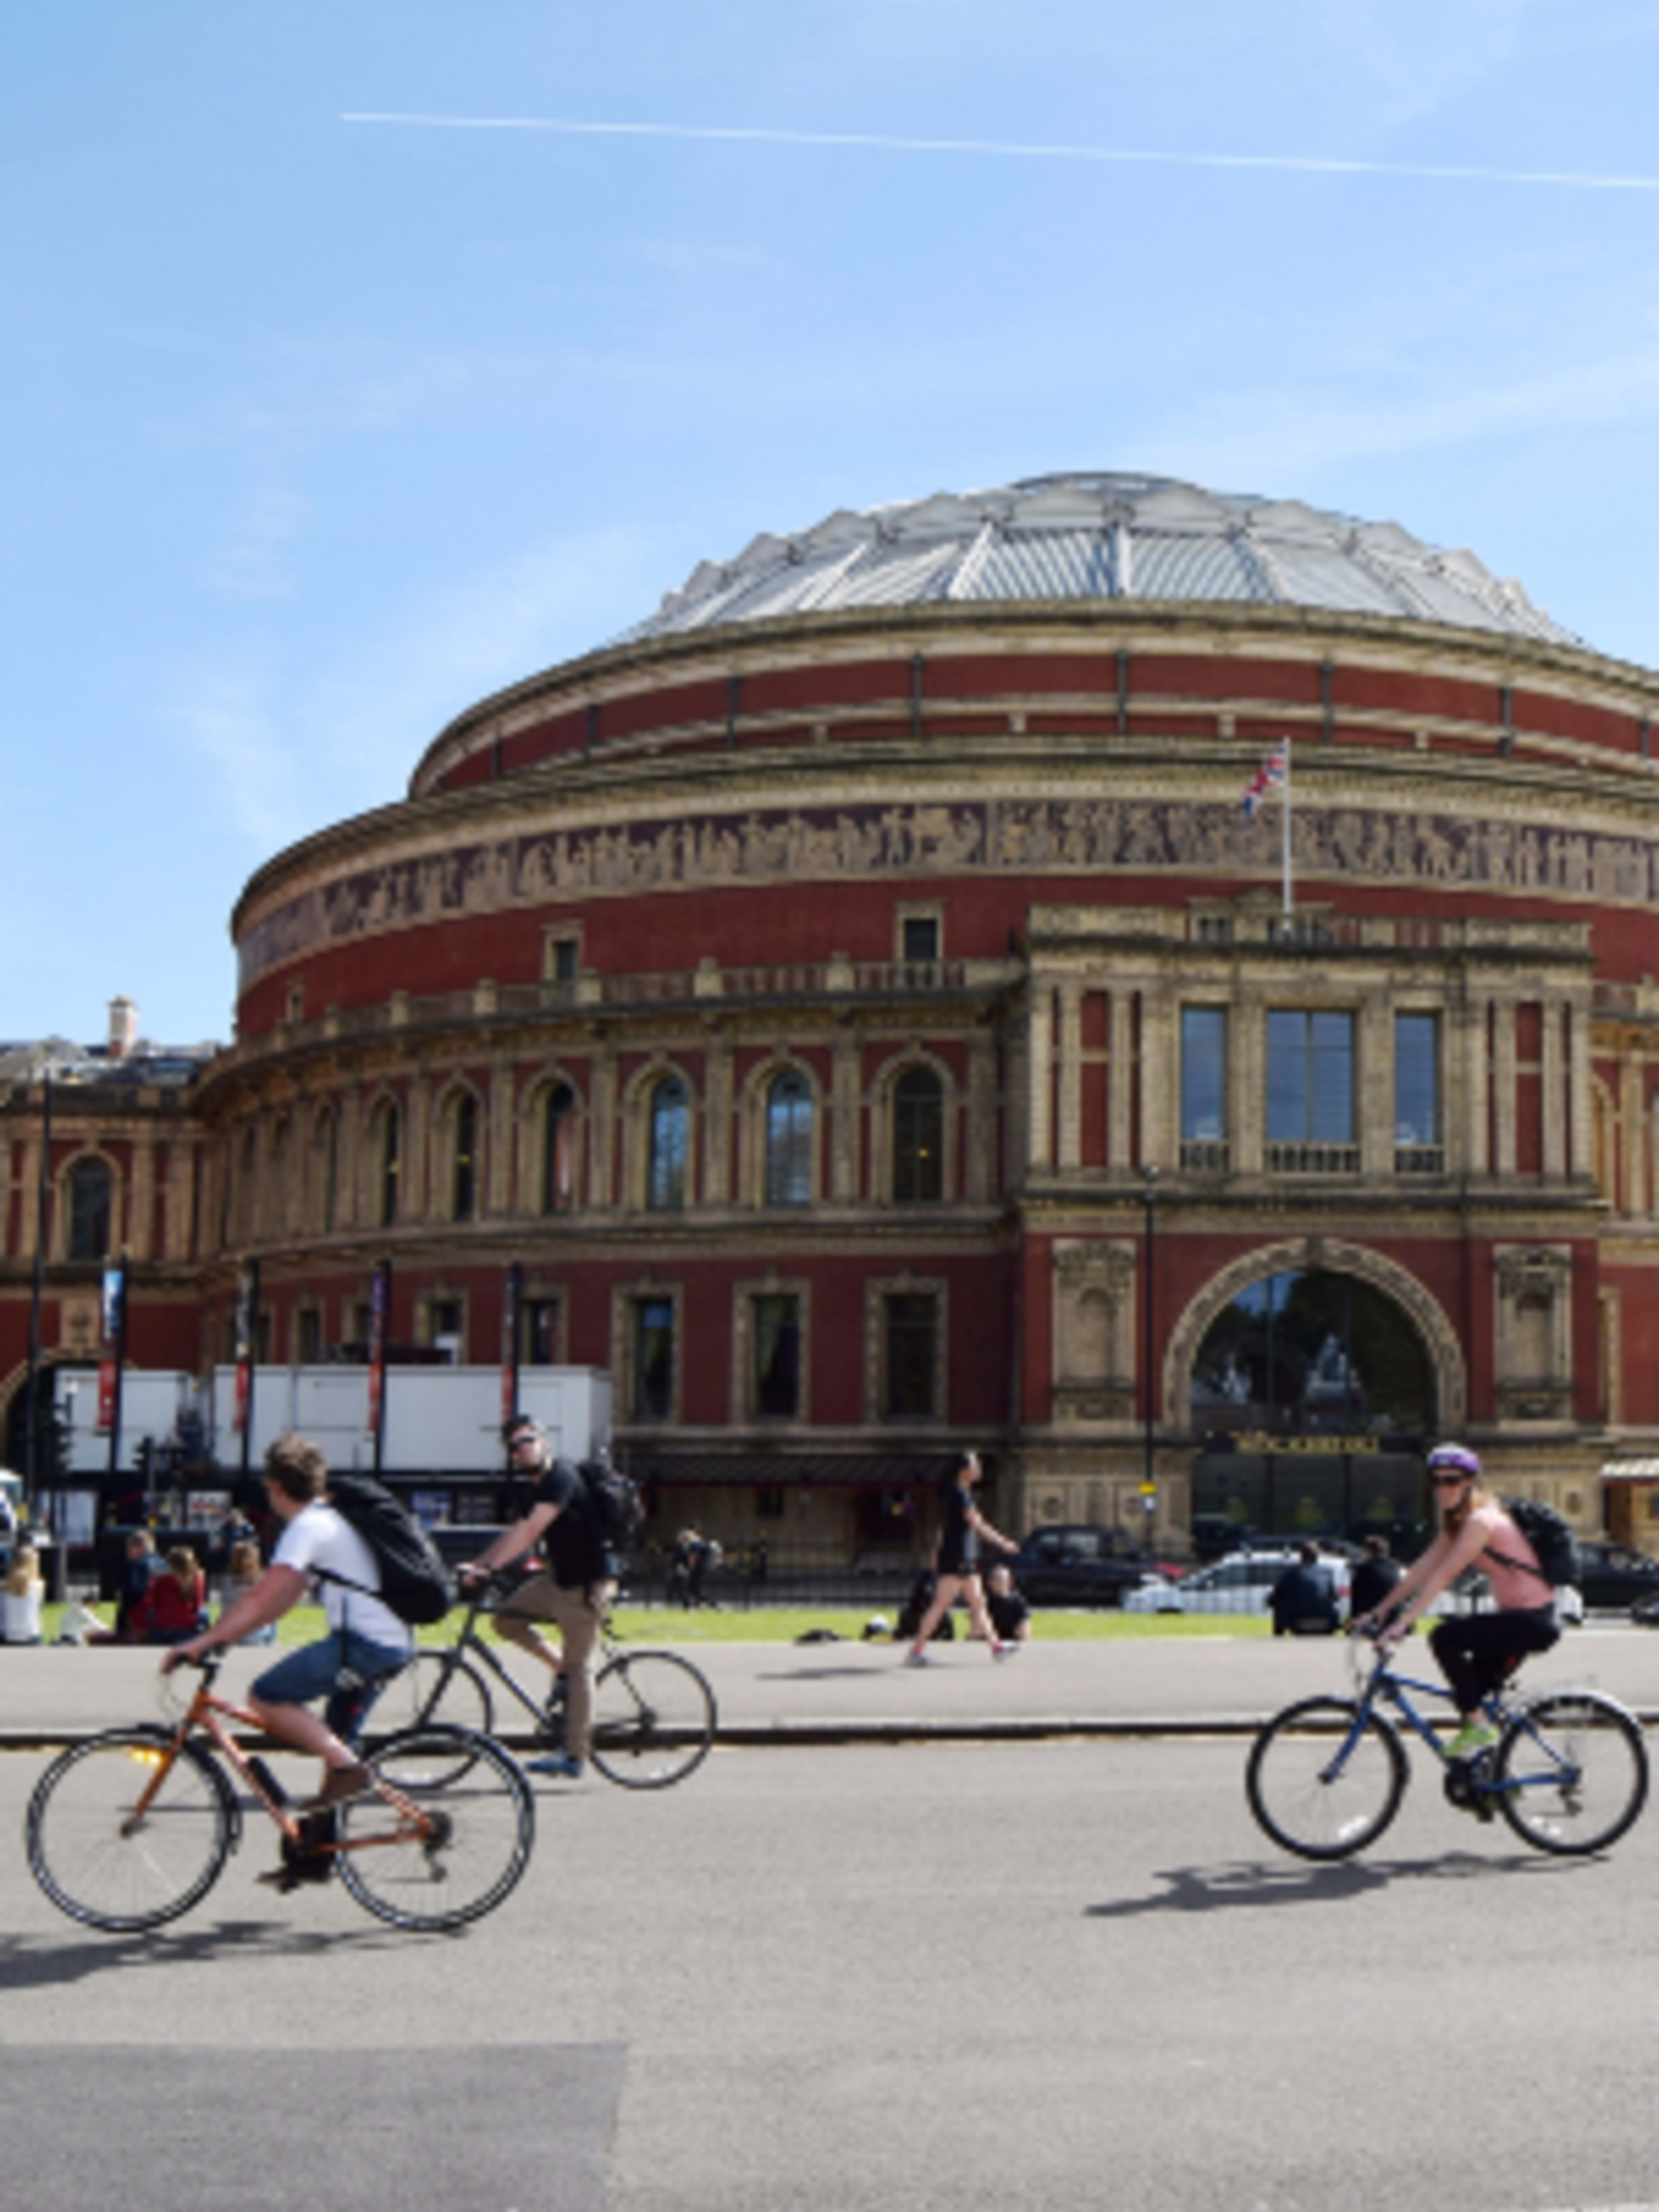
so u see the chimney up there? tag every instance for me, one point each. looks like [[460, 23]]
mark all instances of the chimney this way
[[123, 1028]]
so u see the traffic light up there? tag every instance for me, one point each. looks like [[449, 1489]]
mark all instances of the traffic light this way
[[143, 1460]]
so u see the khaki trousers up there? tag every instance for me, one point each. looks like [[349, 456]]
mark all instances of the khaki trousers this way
[[577, 1612]]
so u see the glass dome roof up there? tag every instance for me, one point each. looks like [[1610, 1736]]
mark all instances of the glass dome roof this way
[[1087, 537]]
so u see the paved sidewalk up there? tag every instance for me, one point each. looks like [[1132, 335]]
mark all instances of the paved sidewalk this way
[[852, 1693]]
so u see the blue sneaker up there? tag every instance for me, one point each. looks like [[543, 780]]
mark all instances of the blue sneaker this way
[[560, 1763]]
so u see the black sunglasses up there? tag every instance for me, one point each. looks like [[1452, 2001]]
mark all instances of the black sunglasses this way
[[1450, 1481]]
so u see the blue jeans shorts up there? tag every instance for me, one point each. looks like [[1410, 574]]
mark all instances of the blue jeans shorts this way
[[344, 1668]]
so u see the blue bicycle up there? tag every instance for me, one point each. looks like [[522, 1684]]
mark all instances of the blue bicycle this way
[[1569, 1770]]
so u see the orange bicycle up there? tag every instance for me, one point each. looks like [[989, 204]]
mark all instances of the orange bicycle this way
[[133, 1826]]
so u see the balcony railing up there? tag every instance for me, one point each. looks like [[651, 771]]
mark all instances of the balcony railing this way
[[1206, 1154], [1419, 1159], [1313, 1160]]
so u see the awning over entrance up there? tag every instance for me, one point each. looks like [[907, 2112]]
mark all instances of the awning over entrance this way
[[785, 1471]]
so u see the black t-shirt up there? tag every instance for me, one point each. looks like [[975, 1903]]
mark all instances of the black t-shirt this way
[[958, 1540], [1009, 1611], [575, 1550]]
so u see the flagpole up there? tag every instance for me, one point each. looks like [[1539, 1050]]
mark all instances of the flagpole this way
[[1285, 827]]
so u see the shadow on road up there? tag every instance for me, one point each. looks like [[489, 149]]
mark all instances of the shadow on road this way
[[1254, 1882], [32, 1963]]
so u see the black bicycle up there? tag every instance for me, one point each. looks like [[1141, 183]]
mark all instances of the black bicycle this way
[[1568, 1771], [654, 1711]]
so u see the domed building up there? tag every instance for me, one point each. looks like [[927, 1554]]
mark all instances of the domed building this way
[[1153, 984]]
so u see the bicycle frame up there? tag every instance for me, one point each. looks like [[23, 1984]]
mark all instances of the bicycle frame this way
[[1393, 1690], [210, 1713], [469, 1642]]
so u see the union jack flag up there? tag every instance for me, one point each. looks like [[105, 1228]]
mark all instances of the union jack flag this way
[[1273, 772]]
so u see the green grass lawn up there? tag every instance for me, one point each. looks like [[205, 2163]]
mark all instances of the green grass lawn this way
[[655, 1624]]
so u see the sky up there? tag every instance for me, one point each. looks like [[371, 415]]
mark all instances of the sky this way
[[319, 428]]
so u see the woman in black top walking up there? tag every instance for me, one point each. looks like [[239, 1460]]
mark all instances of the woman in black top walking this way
[[963, 1528]]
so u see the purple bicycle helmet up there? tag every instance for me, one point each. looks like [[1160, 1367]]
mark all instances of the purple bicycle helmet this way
[[1458, 1457]]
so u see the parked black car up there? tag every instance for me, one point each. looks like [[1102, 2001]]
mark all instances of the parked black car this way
[[1078, 1566], [1613, 1574]]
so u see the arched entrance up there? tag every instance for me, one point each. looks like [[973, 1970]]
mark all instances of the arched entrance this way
[[1310, 1392]]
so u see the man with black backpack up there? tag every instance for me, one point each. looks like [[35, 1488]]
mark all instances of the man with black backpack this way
[[366, 1645], [574, 1592]]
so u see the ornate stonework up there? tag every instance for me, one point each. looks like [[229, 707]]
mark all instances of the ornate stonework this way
[[908, 839]]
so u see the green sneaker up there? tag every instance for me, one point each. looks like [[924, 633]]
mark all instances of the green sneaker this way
[[1471, 1740]]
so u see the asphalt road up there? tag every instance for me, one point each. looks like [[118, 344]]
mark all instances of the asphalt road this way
[[1054, 1974]]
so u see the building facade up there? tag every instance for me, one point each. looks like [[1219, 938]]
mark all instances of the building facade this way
[[859, 1006]]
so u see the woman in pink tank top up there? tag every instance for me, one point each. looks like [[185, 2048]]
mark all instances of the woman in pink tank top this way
[[1475, 1650]]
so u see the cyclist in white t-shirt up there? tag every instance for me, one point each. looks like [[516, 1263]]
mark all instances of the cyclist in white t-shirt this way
[[367, 1643]]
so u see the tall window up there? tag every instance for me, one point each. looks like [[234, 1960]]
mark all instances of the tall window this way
[[918, 1137], [1204, 1086], [654, 1358], [389, 1160], [910, 1319], [1417, 1140], [307, 1336], [559, 1149], [789, 1140], [919, 939], [541, 1332], [464, 1174], [1310, 1090], [776, 1336], [671, 1127], [91, 1189]]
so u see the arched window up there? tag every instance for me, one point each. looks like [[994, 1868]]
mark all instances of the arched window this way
[[91, 1191], [918, 1137], [388, 1159], [463, 1169], [789, 1140], [671, 1129], [559, 1149]]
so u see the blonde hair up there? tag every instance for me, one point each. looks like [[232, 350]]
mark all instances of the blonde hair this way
[[183, 1563], [244, 1563], [24, 1574]]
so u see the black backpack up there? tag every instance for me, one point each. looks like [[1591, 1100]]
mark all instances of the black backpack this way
[[1550, 1536], [415, 1583], [618, 1508]]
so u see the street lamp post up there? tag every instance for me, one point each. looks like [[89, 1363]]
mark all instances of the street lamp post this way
[[1148, 1475]]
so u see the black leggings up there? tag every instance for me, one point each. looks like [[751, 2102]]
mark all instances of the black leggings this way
[[1477, 1650]]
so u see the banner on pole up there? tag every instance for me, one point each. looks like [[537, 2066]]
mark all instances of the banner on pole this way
[[1270, 776]]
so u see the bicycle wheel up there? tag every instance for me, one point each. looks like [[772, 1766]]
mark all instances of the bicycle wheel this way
[[424, 1694], [483, 1819], [102, 1861], [1572, 1772], [1322, 1784], [654, 1719]]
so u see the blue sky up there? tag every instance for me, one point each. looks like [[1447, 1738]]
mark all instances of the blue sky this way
[[318, 430]]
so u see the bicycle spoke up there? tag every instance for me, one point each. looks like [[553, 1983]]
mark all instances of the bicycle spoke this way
[[101, 1860], [1322, 1783], [1571, 1773], [654, 1719], [479, 1822]]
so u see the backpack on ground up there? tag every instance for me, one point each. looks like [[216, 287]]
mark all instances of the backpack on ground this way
[[618, 1508], [1551, 1537], [415, 1583]]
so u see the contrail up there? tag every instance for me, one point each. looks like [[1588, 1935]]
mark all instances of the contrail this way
[[1301, 164]]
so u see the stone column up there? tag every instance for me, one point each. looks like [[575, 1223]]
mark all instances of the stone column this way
[[1376, 1077], [1120, 1080], [29, 1212], [1040, 1076], [141, 1198], [979, 1184], [417, 1138], [1158, 1089], [845, 1057], [717, 1121], [602, 1149], [1069, 1070], [1504, 1078], [1247, 1081], [1582, 1145], [1557, 1103], [503, 1120]]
